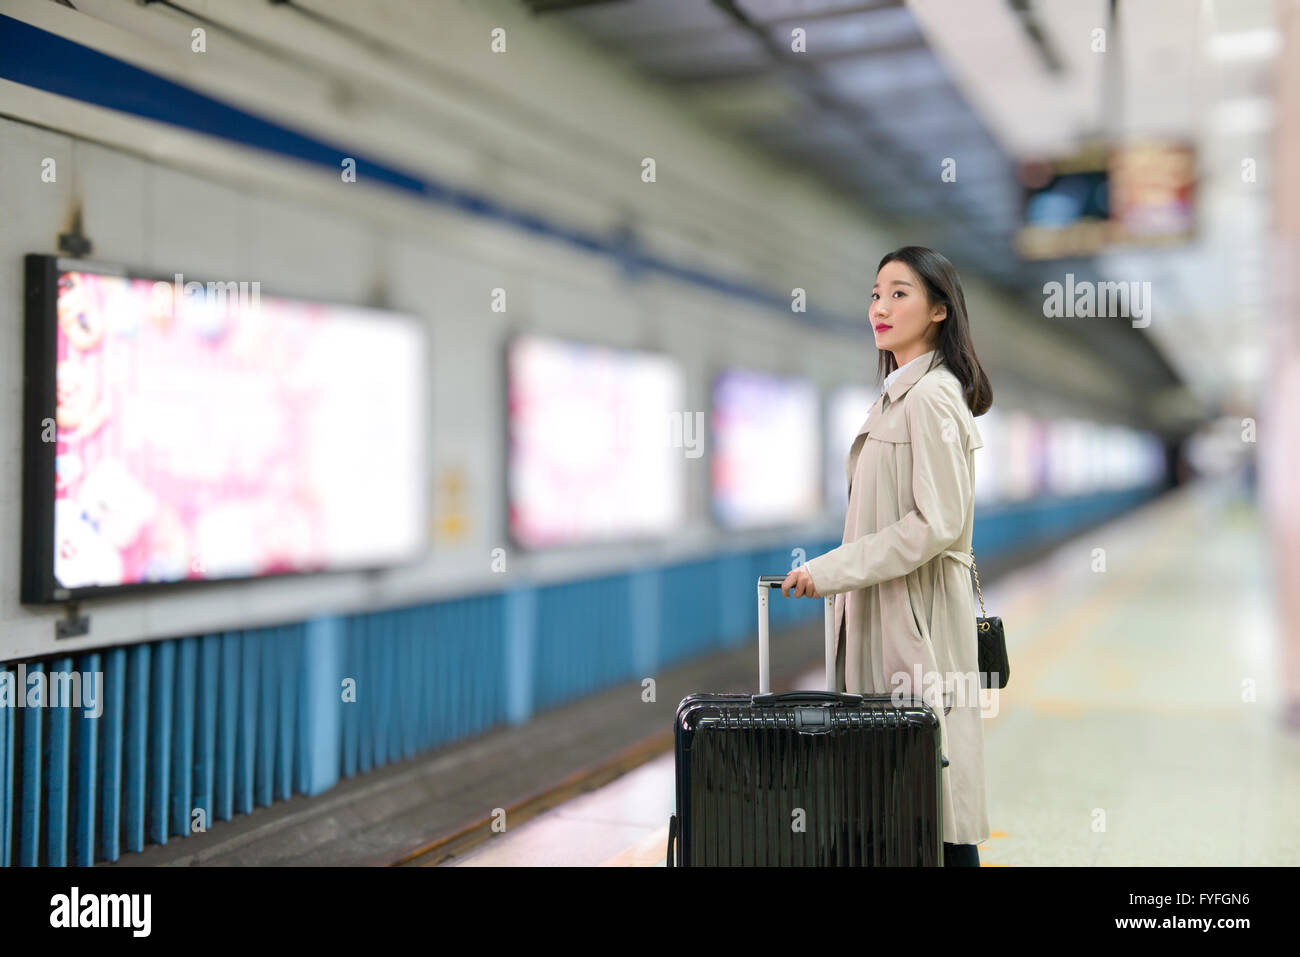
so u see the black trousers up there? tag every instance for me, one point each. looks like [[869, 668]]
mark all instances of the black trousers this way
[[961, 855]]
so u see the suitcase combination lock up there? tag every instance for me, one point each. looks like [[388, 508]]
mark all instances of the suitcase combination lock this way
[[812, 720]]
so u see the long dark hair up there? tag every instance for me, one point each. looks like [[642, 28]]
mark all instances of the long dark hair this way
[[952, 341]]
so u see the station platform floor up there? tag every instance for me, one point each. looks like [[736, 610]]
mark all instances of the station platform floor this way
[[1143, 723]]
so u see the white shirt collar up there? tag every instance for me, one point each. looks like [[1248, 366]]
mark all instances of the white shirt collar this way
[[895, 374]]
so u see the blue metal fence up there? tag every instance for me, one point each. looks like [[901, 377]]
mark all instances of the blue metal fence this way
[[193, 730]]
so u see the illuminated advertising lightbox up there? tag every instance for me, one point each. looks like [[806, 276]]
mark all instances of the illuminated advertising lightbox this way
[[766, 450], [180, 434], [990, 460], [598, 442], [846, 412]]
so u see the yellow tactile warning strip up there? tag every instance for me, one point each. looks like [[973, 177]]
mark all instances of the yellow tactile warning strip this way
[[650, 851], [985, 847]]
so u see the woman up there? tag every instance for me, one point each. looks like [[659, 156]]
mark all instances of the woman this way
[[904, 607]]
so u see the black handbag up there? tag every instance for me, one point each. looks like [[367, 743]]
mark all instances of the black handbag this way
[[995, 669]]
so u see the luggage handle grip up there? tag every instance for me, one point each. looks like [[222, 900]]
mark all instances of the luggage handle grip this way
[[830, 697]]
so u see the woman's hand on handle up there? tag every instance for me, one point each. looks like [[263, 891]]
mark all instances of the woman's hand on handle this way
[[801, 582]]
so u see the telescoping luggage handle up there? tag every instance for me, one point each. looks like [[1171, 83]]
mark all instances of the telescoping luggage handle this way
[[765, 585]]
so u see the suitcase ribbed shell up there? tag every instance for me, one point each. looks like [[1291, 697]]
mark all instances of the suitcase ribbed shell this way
[[864, 770]]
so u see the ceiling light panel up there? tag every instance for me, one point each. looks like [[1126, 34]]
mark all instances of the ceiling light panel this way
[[1166, 81], [1244, 45], [1231, 16], [1069, 26], [1000, 72]]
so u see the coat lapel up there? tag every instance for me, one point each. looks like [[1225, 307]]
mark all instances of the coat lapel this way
[[872, 415], [912, 375], [897, 388]]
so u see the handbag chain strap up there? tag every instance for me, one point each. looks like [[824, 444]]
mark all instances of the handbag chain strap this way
[[976, 569]]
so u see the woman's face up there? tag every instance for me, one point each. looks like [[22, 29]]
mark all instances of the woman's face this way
[[900, 316]]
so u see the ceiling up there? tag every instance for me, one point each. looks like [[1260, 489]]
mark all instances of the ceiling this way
[[884, 93]]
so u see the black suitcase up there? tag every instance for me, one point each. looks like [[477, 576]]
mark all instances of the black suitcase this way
[[805, 778]]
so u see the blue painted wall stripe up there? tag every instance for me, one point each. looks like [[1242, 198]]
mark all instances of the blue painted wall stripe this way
[[46, 61], [34, 57]]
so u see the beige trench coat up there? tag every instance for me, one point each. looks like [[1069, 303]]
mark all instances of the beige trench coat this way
[[904, 604]]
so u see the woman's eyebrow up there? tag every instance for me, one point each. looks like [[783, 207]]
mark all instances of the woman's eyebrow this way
[[895, 282]]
